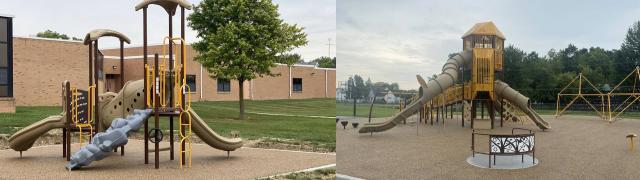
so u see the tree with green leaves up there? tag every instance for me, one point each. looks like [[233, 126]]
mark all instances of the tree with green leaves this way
[[55, 35], [325, 62], [242, 39], [629, 53]]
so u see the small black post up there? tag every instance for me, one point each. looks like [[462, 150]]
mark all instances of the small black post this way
[[473, 112], [481, 109], [501, 113]]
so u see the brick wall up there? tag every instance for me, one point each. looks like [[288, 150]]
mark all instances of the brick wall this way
[[261, 88], [40, 67]]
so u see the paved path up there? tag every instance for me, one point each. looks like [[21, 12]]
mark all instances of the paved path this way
[[208, 163]]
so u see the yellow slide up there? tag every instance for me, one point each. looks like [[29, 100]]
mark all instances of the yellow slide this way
[[210, 137], [24, 139]]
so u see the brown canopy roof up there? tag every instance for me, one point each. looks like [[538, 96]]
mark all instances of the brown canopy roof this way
[[97, 33], [485, 28], [168, 5]]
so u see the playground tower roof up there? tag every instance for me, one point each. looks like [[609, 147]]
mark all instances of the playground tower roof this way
[[168, 5], [484, 28], [97, 33]]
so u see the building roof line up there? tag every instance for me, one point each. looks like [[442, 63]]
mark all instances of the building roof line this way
[[164, 56], [47, 39], [136, 57], [7, 15], [138, 46]]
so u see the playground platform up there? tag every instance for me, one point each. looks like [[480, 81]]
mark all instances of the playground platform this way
[[208, 163], [577, 147]]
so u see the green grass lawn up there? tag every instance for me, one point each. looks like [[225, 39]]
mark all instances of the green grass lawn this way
[[25, 116], [222, 117], [362, 110]]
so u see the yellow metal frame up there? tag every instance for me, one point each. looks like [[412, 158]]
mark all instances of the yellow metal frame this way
[[180, 89], [619, 109], [186, 136], [90, 109], [178, 73], [580, 95], [150, 83]]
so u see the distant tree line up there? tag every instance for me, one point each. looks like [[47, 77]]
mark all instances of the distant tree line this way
[[55, 35], [323, 61], [356, 87], [542, 77]]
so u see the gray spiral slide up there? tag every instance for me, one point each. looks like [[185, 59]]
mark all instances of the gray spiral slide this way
[[103, 143], [429, 90]]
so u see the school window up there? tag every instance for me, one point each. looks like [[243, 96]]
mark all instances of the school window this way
[[297, 84], [5, 58], [224, 85], [191, 82]]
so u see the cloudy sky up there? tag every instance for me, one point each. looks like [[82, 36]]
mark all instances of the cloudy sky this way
[[392, 41], [77, 17]]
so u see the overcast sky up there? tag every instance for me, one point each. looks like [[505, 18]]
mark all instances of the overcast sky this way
[[392, 41], [77, 17]]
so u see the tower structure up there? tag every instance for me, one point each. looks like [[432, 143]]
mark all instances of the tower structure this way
[[487, 45]]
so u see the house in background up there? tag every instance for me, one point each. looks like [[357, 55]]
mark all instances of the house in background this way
[[390, 98]]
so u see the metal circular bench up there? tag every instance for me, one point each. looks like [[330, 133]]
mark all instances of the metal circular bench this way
[[507, 144]]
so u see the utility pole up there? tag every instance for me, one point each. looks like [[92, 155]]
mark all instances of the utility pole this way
[[329, 44]]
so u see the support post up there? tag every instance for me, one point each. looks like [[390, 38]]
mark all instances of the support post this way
[[122, 65], [451, 109], [501, 112], [482, 109], [437, 114], [184, 69], [171, 85], [473, 113], [431, 112], [491, 112], [144, 52], [96, 90], [156, 108], [121, 80], [67, 149]]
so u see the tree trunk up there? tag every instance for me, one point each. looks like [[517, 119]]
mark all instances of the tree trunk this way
[[241, 97]]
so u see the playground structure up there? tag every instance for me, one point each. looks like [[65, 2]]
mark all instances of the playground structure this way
[[468, 80], [611, 104], [110, 117]]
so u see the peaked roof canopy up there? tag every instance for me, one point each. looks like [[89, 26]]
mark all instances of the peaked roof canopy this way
[[97, 33], [485, 28], [168, 5]]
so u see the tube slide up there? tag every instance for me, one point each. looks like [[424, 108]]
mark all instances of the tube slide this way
[[24, 139], [503, 90], [429, 90], [200, 128]]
